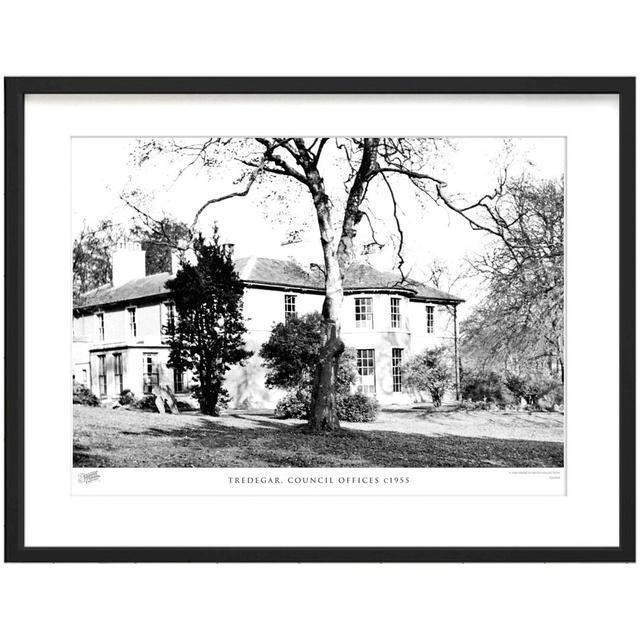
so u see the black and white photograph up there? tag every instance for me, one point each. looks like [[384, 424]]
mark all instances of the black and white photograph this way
[[318, 302]]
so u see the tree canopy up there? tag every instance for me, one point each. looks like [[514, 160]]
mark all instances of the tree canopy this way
[[519, 325], [208, 334], [291, 353]]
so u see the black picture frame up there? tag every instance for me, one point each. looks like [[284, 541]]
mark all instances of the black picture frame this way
[[15, 91]]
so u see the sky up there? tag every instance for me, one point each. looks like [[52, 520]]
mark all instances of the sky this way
[[258, 224]]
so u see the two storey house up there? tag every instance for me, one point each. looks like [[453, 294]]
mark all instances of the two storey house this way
[[119, 341]]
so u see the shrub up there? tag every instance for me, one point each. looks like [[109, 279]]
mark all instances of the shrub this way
[[484, 386], [84, 395], [555, 395], [127, 397], [357, 408], [146, 403], [537, 391], [295, 404], [292, 350], [430, 371]]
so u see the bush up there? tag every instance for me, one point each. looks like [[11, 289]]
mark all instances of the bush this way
[[146, 403], [127, 397], [536, 391], [555, 395], [358, 408], [84, 395], [291, 353], [295, 404], [430, 371], [484, 386]]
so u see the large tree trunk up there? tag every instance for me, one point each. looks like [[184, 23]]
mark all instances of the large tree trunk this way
[[337, 252], [324, 411]]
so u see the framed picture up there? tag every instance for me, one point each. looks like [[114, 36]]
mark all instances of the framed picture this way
[[320, 319]]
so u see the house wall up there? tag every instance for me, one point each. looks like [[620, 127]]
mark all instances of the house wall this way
[[150, 318], [263, 308]]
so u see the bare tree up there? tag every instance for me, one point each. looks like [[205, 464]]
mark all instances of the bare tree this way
[[519, 326], [363, 162]]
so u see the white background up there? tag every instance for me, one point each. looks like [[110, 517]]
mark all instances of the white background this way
[[488, 38], [586, 516]]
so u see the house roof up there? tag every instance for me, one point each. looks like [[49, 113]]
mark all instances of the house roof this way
[[273, 273]]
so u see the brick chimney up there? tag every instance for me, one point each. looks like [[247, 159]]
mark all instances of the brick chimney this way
[[128, 263]]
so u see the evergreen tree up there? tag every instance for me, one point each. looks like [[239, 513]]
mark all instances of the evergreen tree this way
[[208, 335]]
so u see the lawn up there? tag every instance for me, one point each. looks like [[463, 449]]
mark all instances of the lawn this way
[[402, 438]]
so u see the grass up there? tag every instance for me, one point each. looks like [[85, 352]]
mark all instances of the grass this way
[[121, 438]]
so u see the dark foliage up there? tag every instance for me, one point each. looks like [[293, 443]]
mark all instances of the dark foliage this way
[[127, 397], [83, 395], [146, 403], [295, 404], [291, 355], [292, 350], [544, 392], [92, 256], [357, 407], [431, 371], [208, 336], [484, 386]]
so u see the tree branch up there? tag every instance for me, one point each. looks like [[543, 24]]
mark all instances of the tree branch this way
[[236, 194]]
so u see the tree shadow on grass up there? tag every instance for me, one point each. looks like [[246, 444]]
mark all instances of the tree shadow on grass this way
[[83, 458], [288, 445], [203, 442]]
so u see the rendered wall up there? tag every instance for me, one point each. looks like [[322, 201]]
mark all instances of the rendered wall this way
[[263, 308]]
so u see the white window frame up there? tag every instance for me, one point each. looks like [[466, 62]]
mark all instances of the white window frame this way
[[366, 366], [100, 321], [149, 374], [397, 356], [290, 306], [132, 321], [431, 316], [118, 372], [102, 375], [396, 315], [170, 317], [364, 318]]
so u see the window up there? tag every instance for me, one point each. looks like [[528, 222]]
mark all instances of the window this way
[[396, 369], [117, 372], [100, 319], [170, 313], [395, 313], [102, 375], [150, 377], [133, 328], [85, 377], [366, 363], [364, 313], [289, 307], [429, 318], [178, 381]]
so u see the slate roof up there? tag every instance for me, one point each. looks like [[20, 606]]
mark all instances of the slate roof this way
[[276, 273]]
